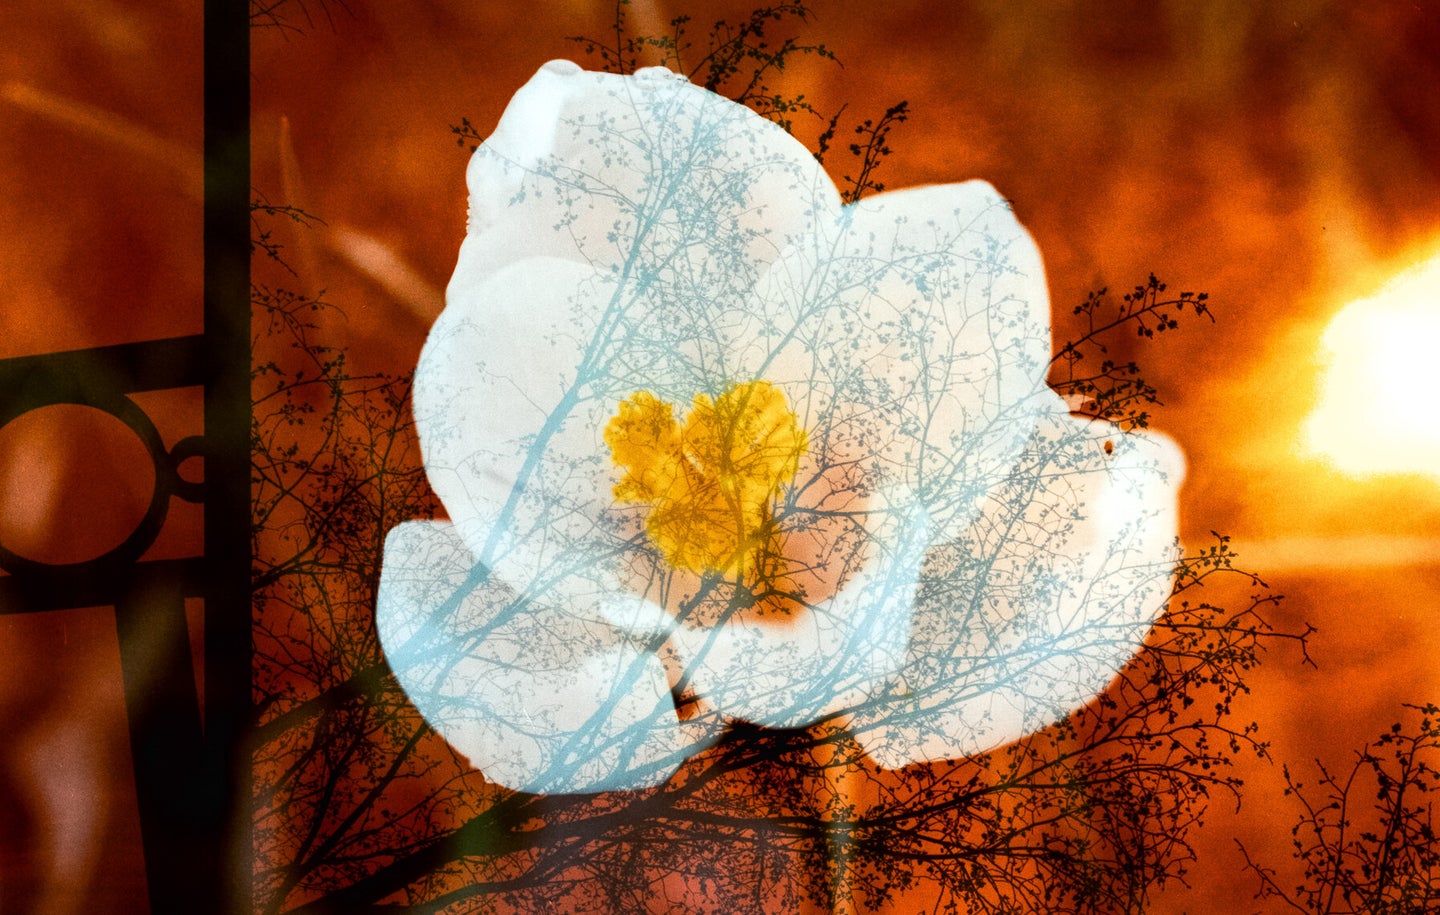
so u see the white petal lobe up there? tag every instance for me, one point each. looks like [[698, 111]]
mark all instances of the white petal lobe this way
[[538, 701], [1040, 605]]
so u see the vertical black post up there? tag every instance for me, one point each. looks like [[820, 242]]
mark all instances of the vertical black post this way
[[171, 785], [227, 441]]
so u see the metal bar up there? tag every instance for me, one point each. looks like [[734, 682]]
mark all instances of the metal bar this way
[[172, 362], [165, 741], [38, 592], [227, 446]]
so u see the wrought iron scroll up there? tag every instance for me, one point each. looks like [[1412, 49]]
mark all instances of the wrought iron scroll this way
[[191, 766]]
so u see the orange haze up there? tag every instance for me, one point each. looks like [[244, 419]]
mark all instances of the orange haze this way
[[1281, 157]]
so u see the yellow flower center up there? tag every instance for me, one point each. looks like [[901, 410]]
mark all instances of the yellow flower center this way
[[711, 484]]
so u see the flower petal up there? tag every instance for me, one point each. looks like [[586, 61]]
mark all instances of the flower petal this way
[[520, 377], [1040, 605], [915, 327], [510, 439], [646, 176], [824, 658], [538, 700]]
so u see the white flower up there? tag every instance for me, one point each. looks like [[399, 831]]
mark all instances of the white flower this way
[[704, 432]]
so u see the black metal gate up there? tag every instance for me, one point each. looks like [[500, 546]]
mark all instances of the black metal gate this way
[[192, 781]]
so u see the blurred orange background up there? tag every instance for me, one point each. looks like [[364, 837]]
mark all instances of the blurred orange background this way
[[1283, 157]]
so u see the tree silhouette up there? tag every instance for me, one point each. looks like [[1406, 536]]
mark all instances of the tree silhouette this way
[[1367, 837], [360, 805]]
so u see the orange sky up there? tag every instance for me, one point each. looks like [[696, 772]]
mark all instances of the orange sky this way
[[1281, 157]]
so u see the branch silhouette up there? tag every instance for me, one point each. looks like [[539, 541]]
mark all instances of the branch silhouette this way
[[1366, 838]]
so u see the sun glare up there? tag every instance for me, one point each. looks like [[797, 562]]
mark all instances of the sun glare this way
[[1378, 411]]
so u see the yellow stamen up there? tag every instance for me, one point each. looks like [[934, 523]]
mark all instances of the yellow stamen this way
[[710, 484]]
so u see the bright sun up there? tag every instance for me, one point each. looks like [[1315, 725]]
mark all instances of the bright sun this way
[[1379, 411]]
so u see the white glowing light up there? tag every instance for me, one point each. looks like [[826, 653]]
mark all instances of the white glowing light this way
[[1378, 412]]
